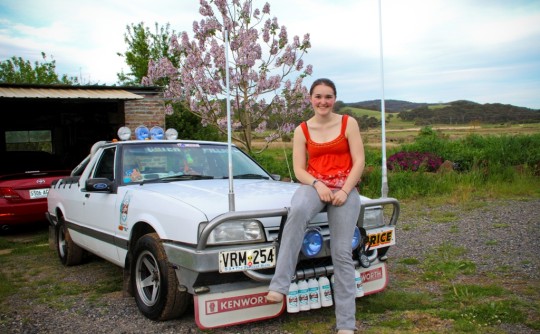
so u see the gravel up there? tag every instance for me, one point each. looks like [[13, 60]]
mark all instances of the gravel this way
[[500, 236]]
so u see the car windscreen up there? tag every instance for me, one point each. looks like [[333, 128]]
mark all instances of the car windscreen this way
[[185, 161]]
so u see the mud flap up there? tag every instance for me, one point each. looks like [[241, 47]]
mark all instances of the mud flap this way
[[233, 304], [375, 278], [239, 303]]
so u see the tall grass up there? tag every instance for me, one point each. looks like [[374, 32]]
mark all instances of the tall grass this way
[[487, 166], [475, 151]]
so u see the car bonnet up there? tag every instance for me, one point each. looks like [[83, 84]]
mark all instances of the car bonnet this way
[[211, 197]]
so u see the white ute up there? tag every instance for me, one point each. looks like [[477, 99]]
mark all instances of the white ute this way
[[161, 210]]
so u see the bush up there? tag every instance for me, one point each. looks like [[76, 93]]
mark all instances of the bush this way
[[413, 161]]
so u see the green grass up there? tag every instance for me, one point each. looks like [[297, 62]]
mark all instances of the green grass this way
[[494, 167], [440, 293], [32, 272]]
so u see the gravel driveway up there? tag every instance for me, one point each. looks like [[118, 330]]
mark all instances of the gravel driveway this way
[[499, 234]]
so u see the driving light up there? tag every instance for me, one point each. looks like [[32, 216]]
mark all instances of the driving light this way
[[124, 133], [156, 133], [141, 132], [171, 134], [312, 243], [356, 238], [241, 231]]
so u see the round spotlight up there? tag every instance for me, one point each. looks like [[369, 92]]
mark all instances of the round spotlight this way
[[356, 238], [171, 134], [312, 243], [124, 133], [141, 132], [156, 133]]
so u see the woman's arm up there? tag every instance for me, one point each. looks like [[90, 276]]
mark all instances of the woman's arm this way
[[356, 147]]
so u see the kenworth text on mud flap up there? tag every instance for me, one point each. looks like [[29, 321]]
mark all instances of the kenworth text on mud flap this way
[[160, 209]]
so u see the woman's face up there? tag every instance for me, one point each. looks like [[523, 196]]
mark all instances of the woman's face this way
[[323, 100]]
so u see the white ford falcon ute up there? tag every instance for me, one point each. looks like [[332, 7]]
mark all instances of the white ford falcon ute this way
[[196, 221]]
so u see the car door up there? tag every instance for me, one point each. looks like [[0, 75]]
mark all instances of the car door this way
[[100, 215]]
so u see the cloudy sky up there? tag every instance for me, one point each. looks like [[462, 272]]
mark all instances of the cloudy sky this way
[[487, 51]]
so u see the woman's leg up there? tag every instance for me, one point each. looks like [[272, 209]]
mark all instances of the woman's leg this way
[[305, 204], [342, 220]]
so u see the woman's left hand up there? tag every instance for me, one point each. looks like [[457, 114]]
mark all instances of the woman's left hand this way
[[339, 198]]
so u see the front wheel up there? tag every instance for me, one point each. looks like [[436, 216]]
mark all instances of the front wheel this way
[[154, 281]]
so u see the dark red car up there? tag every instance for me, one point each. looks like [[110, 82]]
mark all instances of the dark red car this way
[[25, 179]]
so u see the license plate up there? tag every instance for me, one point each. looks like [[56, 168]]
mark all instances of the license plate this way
[[382, 237], [241, 260], [39, 193]]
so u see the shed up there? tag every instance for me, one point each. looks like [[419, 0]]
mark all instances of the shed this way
[[67, 120]]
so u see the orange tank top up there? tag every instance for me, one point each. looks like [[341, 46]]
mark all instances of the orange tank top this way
[[330, 162]]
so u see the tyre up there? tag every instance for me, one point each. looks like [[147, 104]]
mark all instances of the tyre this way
[[154, 282], [69, 253]]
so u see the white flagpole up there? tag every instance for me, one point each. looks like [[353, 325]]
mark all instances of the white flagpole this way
[[384, 187], [229, 130]]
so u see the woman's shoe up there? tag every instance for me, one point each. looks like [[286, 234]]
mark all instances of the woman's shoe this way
[[274, 297]]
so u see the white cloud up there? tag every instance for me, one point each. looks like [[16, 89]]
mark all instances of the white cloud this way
[[435, 50]]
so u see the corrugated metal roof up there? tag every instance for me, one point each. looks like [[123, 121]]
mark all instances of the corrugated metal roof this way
[[67, 93]]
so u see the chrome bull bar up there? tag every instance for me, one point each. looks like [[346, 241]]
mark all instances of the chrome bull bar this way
[[300, 274]]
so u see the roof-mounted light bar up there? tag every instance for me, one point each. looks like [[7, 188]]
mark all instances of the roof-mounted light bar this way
[[142, 133]]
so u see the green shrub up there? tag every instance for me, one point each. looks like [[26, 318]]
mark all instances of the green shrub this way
[[488, 166]]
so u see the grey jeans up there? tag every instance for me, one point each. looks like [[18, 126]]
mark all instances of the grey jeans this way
[[305, 204]]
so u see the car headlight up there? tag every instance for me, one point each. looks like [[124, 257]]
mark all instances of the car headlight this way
[[373, 218], [237, 231]]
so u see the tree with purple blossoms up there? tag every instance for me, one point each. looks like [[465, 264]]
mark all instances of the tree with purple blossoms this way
[[261, 64]]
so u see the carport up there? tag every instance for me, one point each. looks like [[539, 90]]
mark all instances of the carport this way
[[68, 120]]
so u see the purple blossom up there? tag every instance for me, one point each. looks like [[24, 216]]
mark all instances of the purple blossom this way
[[266, 8], [414, 161], [205, 9], [261, 66]]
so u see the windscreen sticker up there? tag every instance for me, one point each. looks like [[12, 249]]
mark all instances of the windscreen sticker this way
[[154, 149], [124, 207]]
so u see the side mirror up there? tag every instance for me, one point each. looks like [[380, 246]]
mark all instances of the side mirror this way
[[99, 184], [276, 177]]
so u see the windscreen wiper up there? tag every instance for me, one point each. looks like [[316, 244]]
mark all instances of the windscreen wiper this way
[[249, 176], [182, 177]]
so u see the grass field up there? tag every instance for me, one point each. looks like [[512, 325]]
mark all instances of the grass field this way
[[439, 293], [400, 132], [31, 273]]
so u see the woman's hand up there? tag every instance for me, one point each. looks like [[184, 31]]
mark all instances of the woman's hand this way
[[340, 197], [325, 194]]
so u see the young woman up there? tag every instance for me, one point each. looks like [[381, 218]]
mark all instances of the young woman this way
[[328, 159]]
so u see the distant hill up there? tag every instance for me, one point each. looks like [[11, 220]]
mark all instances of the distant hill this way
[[457, 112], [389, 105]]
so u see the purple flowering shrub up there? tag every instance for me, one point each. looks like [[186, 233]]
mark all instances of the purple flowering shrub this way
[[414, 161]]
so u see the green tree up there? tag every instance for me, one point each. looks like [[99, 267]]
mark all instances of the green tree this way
[[143, 46], [16, 70], [189, 125]]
